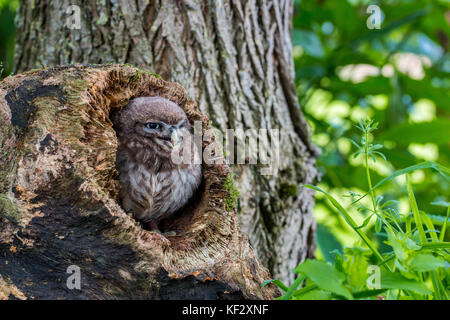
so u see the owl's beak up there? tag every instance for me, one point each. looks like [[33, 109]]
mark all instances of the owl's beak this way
[[174, 138]]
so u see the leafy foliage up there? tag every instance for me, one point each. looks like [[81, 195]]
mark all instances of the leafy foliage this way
[[397, 75], [414, 267]]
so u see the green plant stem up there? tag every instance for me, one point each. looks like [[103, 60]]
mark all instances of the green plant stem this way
[[369, 180], [415, 210], [437, 286], [372, 195], [444, 227], [292, 288], [436, 245], [305, 289]]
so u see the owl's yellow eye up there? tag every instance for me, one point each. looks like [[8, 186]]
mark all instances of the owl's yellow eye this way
[[153, 125]]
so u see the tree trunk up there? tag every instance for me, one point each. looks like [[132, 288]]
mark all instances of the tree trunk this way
[[234, 59], [58, 208]]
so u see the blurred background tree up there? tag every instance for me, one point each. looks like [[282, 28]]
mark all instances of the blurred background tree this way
[[397, 75]]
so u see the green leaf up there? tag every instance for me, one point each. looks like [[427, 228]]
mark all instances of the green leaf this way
[[324, 276], [411, 244], [436, 131], [444, 171], [441, 203], [327, 242], [368, 293], [396, 244], [415, 210], [444, 227], [292, 288], [355, 144], [430, 226], [316, 294], [436, 219], [307, 288], [378, 225], [279, 284], [391, 280], [338, 260], [426, 262], [436, 245], [365, 222]]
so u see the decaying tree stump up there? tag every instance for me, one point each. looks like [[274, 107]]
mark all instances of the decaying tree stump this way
[[58, 191]]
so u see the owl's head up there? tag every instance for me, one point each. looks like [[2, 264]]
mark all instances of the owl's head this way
[[153, 123]]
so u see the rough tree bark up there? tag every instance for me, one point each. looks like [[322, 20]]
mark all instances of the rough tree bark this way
[[58, 195], [234, 59]]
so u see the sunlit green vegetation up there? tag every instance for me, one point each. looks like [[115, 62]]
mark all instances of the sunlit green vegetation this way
[[398, 76], [414, 262]]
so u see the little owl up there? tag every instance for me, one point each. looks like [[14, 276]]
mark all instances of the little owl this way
[[153, 186]]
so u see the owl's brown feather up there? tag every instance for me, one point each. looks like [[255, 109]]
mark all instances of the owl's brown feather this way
[[153, 187]]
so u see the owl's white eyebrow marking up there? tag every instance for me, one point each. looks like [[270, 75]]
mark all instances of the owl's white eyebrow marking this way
[[179, 124]]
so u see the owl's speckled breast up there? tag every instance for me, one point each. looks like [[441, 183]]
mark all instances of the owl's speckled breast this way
[[152, 196]]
